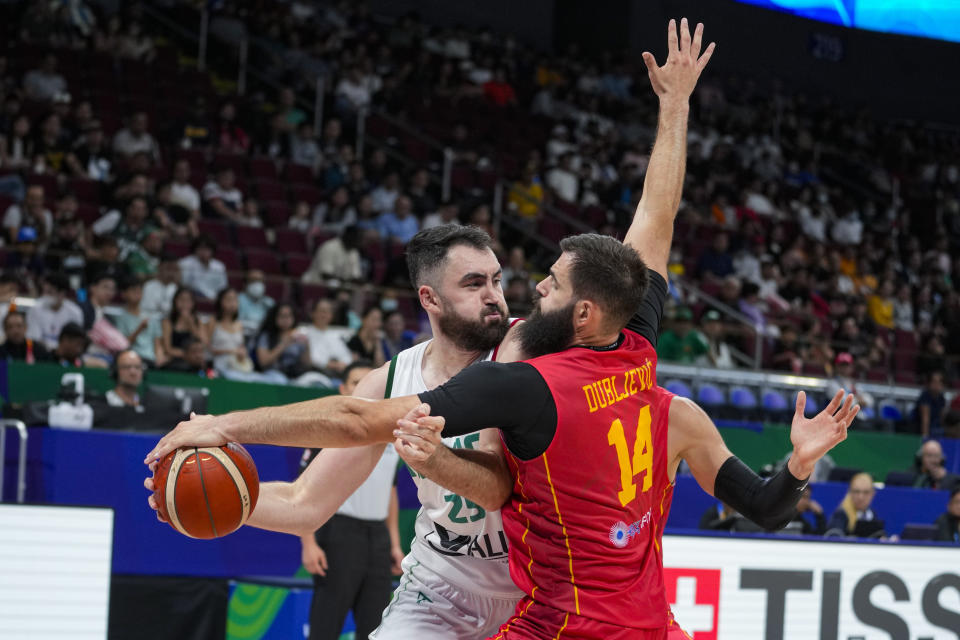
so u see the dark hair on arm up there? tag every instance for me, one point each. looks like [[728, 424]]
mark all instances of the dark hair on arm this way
[[607, 272], [427, 251]]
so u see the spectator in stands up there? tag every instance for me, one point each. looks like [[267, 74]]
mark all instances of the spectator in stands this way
[[331, 140], [933, 357], [385, 196], [221, 198], [931, 407], [128, 372], [227, 344], [499, 91], [304, 149], [181, 325], [336, 214], [301, 218], [517, 266], [948, 524], [193, 360], [136, 45], [51, 148], [718, 351], [681, 342], [16, 147], [845, 378], [337, 258], [144, 258], [291, 114], [143, 331], [30, 213], [903, 309], [526, 196], [400, 225], [45, 82], [253, 302], [854, 517], [104, 257], [200, 271], [396, 337], [789, 353], [848, 229], [367, 342], [716, 263], [810, 514], [89, 157], [158, 292], [448, 213], [182, 192], [101, 290], [354, 92], [563, 180], [420, 192], [129, 228], [250, 215], [135, 138], [931, 472], [281, 347], [230, 136], [47, 317], [9, 290], [881, 305], [328, 351], [17, 346]]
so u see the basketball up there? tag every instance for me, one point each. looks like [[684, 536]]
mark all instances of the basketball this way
[[207, 492]]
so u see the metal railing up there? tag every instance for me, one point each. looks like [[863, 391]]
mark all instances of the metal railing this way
[[21, 458]]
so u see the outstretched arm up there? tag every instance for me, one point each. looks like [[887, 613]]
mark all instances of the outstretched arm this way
[[651, 232], [769, 503]]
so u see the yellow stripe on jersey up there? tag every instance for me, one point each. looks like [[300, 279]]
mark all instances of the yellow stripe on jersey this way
[[566, 619], [526, 530], [566, 539], [663, 498]]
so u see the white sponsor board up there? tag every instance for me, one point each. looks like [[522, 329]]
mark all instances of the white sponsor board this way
[[54, 572], [767, 589]]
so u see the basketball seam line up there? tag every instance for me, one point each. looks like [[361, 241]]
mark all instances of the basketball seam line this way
[[206, 498], [234, 481]]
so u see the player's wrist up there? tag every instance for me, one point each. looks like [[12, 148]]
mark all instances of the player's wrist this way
[[672, 103], [800, 468]]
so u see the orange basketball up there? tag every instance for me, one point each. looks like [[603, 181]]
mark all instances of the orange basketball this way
[[206, 492]]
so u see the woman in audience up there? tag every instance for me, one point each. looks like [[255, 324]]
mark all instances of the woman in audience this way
[[283, 349], [854, 517], [182, 323], [367, 342], [225, 337]]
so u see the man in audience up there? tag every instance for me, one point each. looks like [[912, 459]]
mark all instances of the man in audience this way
[[718, 351], [52, 312], [845, 378], [17, 345], [931, 472], [337, 258], [202, 272], [158, 292], [135, 138], [716, 263], [253, 302], [90, 157], [931, 406], [194, 360], [948, 524], [400, 225], [396, 336], [141, 330], [328, 351], [30, 213], [221, 198], [682, 342], [44, 83], [182, 191], [71, 345], [129, 376]]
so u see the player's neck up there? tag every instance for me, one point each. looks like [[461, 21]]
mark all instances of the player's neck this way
[[444, 359], [590, 339]]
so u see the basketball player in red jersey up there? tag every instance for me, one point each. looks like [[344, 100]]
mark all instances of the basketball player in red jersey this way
[[610, 450]]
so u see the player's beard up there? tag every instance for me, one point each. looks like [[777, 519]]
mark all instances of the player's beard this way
[[546, 331], [474, 335]]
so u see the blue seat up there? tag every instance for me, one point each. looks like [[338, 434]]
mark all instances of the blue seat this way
[[900, 478], [890, 412], [743, 398], [679, 388], [710, 395], [775, 401]]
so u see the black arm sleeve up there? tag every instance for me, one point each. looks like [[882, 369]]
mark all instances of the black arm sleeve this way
[[646, 321], [512, 397], [769, 503]]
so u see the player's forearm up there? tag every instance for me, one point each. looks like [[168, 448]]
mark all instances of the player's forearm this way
[[769, 503], [663, 184], [280, 508], [333, 421], [478, 476]]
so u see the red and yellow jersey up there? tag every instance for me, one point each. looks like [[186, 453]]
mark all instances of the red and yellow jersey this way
[[587, 516]]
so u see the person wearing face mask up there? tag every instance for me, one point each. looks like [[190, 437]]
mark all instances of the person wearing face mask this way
[[52, 312], [254, 303]]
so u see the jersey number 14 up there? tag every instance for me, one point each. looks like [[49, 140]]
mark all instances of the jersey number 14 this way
[[642, 456]]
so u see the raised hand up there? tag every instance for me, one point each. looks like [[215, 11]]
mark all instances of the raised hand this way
[[418, 436], [678, 76], [198, 431], [813, 437]]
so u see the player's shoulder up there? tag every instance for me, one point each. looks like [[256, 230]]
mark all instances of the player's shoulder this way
[[374, 384]]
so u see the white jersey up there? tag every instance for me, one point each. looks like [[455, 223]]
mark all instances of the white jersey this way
[[455, 538]]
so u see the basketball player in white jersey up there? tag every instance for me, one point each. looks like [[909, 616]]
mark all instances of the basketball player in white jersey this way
[[456, 581]]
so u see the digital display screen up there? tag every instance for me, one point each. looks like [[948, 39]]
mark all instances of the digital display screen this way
[[938, 19]]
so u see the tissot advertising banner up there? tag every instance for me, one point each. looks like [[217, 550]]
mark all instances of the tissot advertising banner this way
[[767, 589]]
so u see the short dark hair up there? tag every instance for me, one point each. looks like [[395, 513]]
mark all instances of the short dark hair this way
[[12, 314], [72, 330], [427, 250], [356, 364], [203, 240], [58, 281], [954, 492], [607, 272]]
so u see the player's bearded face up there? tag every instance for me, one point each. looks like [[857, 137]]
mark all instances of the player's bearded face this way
[[474, 334], [546, 331]]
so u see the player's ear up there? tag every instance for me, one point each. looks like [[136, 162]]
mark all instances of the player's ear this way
[[428, 297], [582, 312]]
